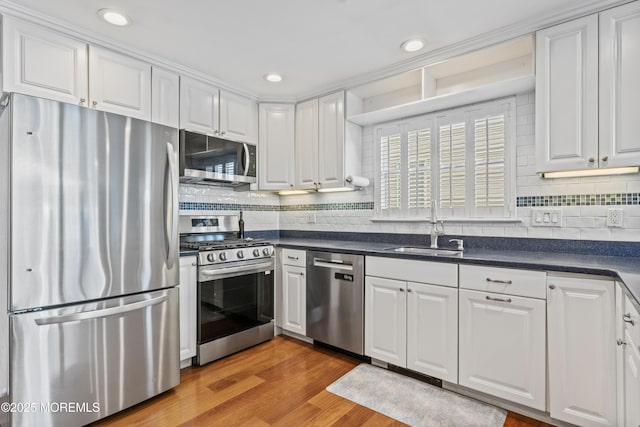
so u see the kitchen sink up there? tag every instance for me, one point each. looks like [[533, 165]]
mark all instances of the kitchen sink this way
[[424, 251]]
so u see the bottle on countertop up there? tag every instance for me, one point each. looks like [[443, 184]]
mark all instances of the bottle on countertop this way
[[241, 227]]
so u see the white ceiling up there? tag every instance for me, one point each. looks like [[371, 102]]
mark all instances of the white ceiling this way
[[312, 43]]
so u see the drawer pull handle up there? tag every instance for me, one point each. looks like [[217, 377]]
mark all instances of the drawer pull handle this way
[[295, 258], [621, 342], [506, 282], [627, 318], [401, 290], [499, 299]]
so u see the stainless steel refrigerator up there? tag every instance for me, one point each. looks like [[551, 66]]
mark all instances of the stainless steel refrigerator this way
[[88, 262]]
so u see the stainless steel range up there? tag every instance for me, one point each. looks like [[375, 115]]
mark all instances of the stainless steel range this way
[[235, 286]]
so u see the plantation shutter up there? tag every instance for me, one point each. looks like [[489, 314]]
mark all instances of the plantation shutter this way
[[490, 161], [452, 165], [390, 171], [419, 168]]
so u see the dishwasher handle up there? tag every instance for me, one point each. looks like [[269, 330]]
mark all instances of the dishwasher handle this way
[[333, 264]]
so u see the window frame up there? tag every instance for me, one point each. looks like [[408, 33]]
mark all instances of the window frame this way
[[467, 114]]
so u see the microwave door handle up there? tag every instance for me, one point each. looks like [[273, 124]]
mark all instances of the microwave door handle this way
[[247, 159]]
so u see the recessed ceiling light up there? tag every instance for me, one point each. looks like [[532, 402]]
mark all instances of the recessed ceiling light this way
[[412, 45], [273, 78], [114, 17]]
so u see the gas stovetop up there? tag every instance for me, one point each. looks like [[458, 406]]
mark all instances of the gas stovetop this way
[[209, 245]]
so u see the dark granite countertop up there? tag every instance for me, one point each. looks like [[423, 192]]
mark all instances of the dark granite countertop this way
[[626, 269]]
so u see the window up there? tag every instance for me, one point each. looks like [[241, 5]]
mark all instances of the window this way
[[462, 158]]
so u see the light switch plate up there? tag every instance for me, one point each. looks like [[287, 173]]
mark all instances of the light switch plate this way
[[546, 217]]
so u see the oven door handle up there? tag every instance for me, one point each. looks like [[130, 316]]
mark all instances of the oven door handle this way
[[245, 269]]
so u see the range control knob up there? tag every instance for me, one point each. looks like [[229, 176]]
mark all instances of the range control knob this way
[[211, 257], [240, 254], [266, 252], [223, 256], [256, 252]]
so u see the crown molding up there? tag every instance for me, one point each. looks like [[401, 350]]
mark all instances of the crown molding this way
[[481, 41], [21, 12]]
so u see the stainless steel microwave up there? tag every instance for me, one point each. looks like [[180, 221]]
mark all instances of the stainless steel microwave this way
[[206, 159]]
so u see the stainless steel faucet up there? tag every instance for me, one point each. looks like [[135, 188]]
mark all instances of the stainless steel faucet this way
[[435, 230]]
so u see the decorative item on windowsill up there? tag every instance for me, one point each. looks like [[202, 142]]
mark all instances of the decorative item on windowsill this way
[[354, 183]]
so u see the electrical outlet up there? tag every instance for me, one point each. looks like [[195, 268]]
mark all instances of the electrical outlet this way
[[311, 219], [546, 217], [614, 217]]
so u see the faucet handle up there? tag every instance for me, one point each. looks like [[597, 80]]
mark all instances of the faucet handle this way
[[459, 242]]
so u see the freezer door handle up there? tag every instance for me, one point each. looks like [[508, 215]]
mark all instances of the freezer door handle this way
[[95, 314], [335, 265], [173, 173]]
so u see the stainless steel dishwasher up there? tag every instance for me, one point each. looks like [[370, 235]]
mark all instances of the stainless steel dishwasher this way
[[335, 300]]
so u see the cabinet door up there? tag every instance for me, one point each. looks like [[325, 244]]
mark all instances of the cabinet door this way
[[331, 141], [306, 146], [432, 330], [582, 380], [620, 86], [119, 84], [199, 104], [165, 98], [238, 117], [294, 299], [631, 381], [188, 307], [276, 147], [385, 320], [43, 63], [567, 96], [502, 346]]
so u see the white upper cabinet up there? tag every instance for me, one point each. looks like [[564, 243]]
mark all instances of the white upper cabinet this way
[[306, 145], [327, 147], [276, 146], [620, 86], [567, 96], [587, 92], [199, 106], [119, 84], [165, 98], [331, 139], [43, 63], [209, 110], [581, 350], [238, 117]]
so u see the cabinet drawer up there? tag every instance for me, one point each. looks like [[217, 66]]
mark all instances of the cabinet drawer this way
[[434, 273], [526, 283], [294, 257], [631, 320]]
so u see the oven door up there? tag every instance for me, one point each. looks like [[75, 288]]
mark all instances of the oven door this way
[[233, 299]]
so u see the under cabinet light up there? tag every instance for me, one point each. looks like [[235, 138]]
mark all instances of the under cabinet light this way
[[590, 172], [335, 190], [291, 192]]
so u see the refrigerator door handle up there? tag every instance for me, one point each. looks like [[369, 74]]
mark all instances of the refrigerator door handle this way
[[95, 314], [173, 172]]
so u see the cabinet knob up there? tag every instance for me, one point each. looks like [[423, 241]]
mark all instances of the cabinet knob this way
[[194, 264], [83, 100], [591, 159], [401, 289], [409, 290], [94, 103], [552, 286], [215, 132], [290, 185], [627, 318], [605, 158], [302, 274], [223, 132], [621, 342]]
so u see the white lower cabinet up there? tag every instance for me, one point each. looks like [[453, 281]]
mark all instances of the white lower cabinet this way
[[413, 326], [581, 350], [432, 330], [294, 299], [502, 346], [628, 332], [188, 308]]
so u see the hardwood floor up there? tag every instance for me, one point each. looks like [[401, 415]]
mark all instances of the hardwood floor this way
[[278, 383]]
